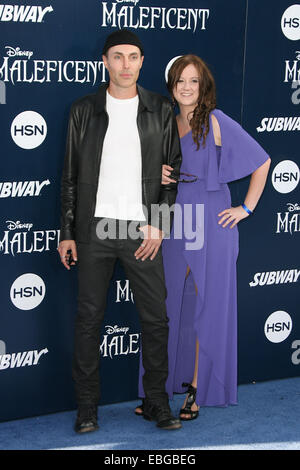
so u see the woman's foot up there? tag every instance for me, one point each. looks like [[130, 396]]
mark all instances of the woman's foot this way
[[139, 411], [190, 409]]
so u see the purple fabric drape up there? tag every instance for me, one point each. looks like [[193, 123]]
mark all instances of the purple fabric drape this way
[[204, 305]]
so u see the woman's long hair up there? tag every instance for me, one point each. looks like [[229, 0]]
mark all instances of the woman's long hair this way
[[199, 120]]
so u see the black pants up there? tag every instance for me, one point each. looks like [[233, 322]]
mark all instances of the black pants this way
[[96, 262]]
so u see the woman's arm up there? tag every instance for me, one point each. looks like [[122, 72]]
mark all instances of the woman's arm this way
[[257, 184], [256, 187]]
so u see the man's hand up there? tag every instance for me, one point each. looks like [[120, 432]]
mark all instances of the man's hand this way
[[63, 249], [151, 243]]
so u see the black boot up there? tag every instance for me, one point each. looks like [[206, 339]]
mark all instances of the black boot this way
[[161, 413], [86, 419]]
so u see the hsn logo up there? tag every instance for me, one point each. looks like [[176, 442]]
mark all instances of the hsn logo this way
[[278, 326], [27, 291], [28, 130], [290, 22], [285, 176]]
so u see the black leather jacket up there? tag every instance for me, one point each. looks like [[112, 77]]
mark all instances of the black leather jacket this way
[[86, 131]]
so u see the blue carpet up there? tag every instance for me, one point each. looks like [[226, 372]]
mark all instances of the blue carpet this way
[[267, 418]]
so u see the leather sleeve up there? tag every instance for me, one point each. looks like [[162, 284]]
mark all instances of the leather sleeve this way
[[69, 179], [172, 157]]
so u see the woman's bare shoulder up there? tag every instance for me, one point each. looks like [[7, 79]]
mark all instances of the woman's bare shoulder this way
[[216, 129]]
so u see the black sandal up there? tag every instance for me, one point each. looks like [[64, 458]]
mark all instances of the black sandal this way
[[142, 408], [189, 402]]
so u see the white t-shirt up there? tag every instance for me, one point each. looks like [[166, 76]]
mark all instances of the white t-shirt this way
[[119, 194]]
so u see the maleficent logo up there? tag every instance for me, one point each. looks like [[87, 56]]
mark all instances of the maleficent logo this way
[[288, 221], [116, 342], [292, 69], [130, 14], [19, 238], [18, 66], [124, 294]]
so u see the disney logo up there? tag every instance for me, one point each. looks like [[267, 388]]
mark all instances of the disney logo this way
[[293, 207], [135, 2], [13, 52], [17, 225], [110, 330]]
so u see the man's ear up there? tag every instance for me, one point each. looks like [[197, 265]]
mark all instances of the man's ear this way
[[104, 58]]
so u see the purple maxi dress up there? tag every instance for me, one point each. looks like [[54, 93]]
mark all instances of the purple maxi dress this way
[[210, 315]]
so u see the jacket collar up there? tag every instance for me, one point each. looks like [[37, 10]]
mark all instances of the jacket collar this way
[[145, 101]]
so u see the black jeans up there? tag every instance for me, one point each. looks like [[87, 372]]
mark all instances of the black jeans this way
[[96, 262]]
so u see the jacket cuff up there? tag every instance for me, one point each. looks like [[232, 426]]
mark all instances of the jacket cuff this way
[[66, 234]]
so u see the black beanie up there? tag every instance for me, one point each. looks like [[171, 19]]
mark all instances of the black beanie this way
[[122, 36]]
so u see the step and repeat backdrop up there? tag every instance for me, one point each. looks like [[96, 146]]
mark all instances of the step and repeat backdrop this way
[[268, 267], [50, 55]]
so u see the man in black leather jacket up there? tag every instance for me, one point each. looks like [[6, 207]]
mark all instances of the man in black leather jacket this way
[[123, 128]]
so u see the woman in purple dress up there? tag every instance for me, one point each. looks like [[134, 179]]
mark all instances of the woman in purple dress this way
[[201, 272]]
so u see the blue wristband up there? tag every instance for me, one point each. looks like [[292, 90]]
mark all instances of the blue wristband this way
[[246, 209]]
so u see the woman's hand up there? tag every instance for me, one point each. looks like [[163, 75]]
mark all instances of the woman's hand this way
[[234, 215], [165, 173]]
